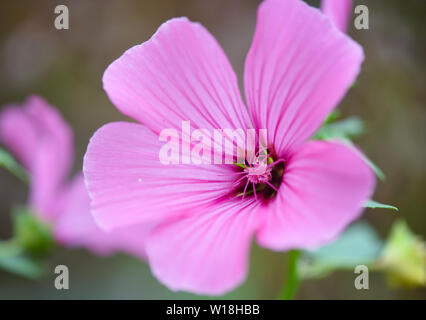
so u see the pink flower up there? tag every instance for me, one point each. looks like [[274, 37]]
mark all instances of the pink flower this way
[[339, 11], [40, 139], [297, 70]]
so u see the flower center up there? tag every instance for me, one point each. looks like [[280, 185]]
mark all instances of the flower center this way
[[258, 171], [260, 177]]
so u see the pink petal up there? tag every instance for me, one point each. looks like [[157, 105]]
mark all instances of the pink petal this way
[[18, 134], [75, 226], [180, 74], [128, 184], [339, 11], [207, 253], [298, 69], [42, 141], [324, 187]]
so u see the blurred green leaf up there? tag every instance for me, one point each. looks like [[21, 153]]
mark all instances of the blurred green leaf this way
[[332, 116], [10, 164], [9, 248], [31, 234], [359, 244], [374, 204], [22, 265], [15, 260], [404, 257], [345, 128], [379, 173], [32, 239]]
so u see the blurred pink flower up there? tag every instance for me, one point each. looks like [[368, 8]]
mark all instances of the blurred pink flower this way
[[40, 139], [339, 11], [297, 70]]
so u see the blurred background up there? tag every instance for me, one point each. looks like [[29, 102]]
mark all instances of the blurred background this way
[[66, 67]]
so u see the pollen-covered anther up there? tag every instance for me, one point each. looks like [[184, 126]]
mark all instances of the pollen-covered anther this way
[[261, 176], [258, 173]]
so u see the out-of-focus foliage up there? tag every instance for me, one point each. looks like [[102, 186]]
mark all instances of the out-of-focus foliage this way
[[32, 241], [31, 234], [404, 257], [14, 260], [374, 204], [10, 164], [358, 245], [343, 129]]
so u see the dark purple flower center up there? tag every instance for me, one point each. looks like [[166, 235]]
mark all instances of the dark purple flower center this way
[[260, 177]]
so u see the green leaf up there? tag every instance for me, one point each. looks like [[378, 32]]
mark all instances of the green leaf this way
[[346, 128], [15, 260], [404, 257], [359, 244], [10, 164], [332, 116], [22, 265], [343, 130], [32, 239], [374, 204], [240, 165], [31, 234], [379, 173], [9, 248]]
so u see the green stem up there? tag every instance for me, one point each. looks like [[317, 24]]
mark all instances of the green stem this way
[[292, 280]]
